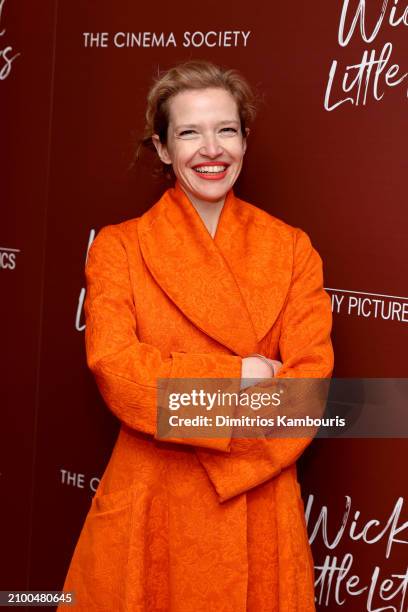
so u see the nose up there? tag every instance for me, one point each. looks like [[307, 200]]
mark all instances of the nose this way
[[211, 147]]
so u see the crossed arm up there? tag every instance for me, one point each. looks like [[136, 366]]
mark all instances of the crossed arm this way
[[126, 370]]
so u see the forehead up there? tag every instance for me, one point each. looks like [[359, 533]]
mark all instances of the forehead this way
[[194, 105]]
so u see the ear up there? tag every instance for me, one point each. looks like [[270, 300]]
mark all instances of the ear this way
[[161, 149], [244, 143]]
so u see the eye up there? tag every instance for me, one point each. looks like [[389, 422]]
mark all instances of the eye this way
[[229, 130], [187, 133]]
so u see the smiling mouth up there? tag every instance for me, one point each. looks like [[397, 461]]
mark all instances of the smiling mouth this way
[[211, 171]]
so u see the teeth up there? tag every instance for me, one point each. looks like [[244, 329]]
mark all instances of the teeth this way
[[210, 169]]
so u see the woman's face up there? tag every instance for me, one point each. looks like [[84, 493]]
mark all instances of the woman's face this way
[[204, 143]]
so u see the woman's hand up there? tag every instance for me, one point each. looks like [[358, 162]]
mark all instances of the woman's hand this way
[[257, 372], [255, 367]]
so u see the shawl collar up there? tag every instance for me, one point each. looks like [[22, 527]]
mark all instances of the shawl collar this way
[[231, 287]]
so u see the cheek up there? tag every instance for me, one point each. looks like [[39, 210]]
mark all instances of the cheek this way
[[237, 152], [181, 153]]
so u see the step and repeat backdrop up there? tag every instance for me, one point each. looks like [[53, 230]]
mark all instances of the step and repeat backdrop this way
[[327, 153]]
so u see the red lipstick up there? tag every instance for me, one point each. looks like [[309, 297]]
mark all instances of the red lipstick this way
[[211, 171]]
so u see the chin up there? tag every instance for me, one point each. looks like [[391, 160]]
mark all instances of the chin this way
[[211, 196], [212, 193]]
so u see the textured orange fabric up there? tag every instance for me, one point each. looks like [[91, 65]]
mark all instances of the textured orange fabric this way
[[217, 526]]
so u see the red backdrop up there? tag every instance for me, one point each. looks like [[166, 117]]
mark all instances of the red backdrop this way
[[327, 154]]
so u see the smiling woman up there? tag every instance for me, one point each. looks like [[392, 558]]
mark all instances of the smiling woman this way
[[205, 147], [202, 286], [197, 119]]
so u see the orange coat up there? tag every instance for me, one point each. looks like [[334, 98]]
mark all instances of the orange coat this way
[[182, 528]]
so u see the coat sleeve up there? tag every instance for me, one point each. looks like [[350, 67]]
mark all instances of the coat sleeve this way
[[126, 370], [306, 352]]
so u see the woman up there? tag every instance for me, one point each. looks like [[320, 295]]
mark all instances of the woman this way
[[193, 289]]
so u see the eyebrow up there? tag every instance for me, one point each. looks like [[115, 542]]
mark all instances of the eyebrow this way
[[194, 125]]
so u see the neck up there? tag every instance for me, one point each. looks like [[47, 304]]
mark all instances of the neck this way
[[209, 212]]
